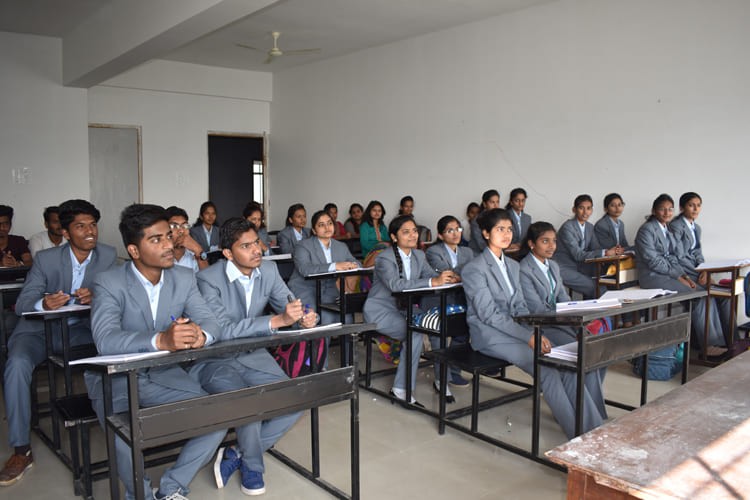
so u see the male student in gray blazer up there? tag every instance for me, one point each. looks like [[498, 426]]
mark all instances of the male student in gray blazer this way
[[59, 276], [238, 290], [146, 305]]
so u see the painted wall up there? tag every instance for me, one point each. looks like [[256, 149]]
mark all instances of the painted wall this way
[[575, 96], [42, 129]]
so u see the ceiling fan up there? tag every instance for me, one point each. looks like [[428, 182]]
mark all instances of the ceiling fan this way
[[276, 51]]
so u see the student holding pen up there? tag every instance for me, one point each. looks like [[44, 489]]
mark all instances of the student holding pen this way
[[58, 277], [319, 254]]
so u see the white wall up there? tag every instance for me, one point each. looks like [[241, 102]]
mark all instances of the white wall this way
[[42, 128], [177, 105], [594, 96]]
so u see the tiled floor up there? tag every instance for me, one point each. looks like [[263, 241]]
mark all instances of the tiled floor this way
[[402, 455]]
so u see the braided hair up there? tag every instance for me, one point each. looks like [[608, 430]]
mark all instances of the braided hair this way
[[393, 229]]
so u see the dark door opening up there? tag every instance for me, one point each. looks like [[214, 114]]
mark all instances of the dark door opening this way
[[235, 173]]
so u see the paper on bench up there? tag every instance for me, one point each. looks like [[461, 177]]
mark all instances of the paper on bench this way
[[347, 271], [633, 294], [567, 352], [281, 256], [719, 264], [68, 308], [111, 359], [428, 288], [586, 305], [331, 326]]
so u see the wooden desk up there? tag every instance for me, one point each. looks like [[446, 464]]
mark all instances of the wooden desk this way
[[732, 293], [597, 351], [153, 426], [690, 443]]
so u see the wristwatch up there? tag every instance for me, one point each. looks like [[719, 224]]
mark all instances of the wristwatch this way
[[203, 256]]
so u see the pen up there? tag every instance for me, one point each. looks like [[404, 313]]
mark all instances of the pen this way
[[175, 319]]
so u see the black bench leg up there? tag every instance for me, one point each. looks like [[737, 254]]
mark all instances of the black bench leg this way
[[86, 452], [474, 401]]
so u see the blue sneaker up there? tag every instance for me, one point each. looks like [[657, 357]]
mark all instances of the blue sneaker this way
[[227, 461], [456, 380], [252, 481]]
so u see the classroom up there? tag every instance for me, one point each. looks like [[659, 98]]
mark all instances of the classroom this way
[[561, 97]]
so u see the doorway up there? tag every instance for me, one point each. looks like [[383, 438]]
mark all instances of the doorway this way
[[236, 170], [114, 177]]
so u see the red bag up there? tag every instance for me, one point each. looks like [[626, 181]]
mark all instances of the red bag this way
[[294, 358]]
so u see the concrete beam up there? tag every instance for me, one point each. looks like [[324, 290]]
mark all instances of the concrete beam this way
[[126, 33]]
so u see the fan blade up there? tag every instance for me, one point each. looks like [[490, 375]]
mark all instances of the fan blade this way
[[244, 46], [268, 60], [301, 51]]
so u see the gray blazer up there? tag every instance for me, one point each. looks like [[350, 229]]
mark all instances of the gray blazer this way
[[477, 242], [287, 240], [689, 258], [310, 259], [605, 233], [656, 256], [52, 271], [439, 259], [122, 322], [573, 248], [199, 235], [380, 305], [227, 300], [490, 306], [536, 285], [525, 223]]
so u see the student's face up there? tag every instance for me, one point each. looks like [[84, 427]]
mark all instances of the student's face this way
[[406, 236], [5, 225], [209, 216], [53, 225], [493, 202], [299, 219], [452, 233], [615, 208], [518, 202], [155, 251], [692, 208], [82, 233], [407, 208], [255, 218], [544, 247], [356, 213], [245, 252], [472, 213], [500, 236], [376, 212], [663, 212], [324, 227], [583, 211], [333, 213], [180, 228]]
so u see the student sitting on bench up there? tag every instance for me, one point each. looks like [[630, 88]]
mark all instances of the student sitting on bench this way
[[149, 304], [238, 290]]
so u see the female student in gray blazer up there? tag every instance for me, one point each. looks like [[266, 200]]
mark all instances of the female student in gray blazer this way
[[658, 258], [319, 254], [447, 254], [543, 288], [576, 243], [396, 269], [521, 220], [494, 298], [206, 228], [610, 230], [490, 200], [295, 230]]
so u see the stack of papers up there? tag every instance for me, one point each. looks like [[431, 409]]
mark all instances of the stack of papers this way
[[633, 294], [567, 352], [585, 305]]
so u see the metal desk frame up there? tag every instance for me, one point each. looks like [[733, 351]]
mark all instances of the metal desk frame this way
[[154, 426]]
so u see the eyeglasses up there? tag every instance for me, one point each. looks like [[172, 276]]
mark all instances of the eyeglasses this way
[[452, 230], [174, 225]]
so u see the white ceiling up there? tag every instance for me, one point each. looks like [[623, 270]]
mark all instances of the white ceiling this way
[[337, 27]]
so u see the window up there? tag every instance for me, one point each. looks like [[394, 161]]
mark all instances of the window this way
[[258, 181]]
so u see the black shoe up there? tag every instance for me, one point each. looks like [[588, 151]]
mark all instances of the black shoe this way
[[449, 398], [403, 402]]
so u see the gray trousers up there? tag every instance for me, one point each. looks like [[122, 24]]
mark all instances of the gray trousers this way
[[228, 374]]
